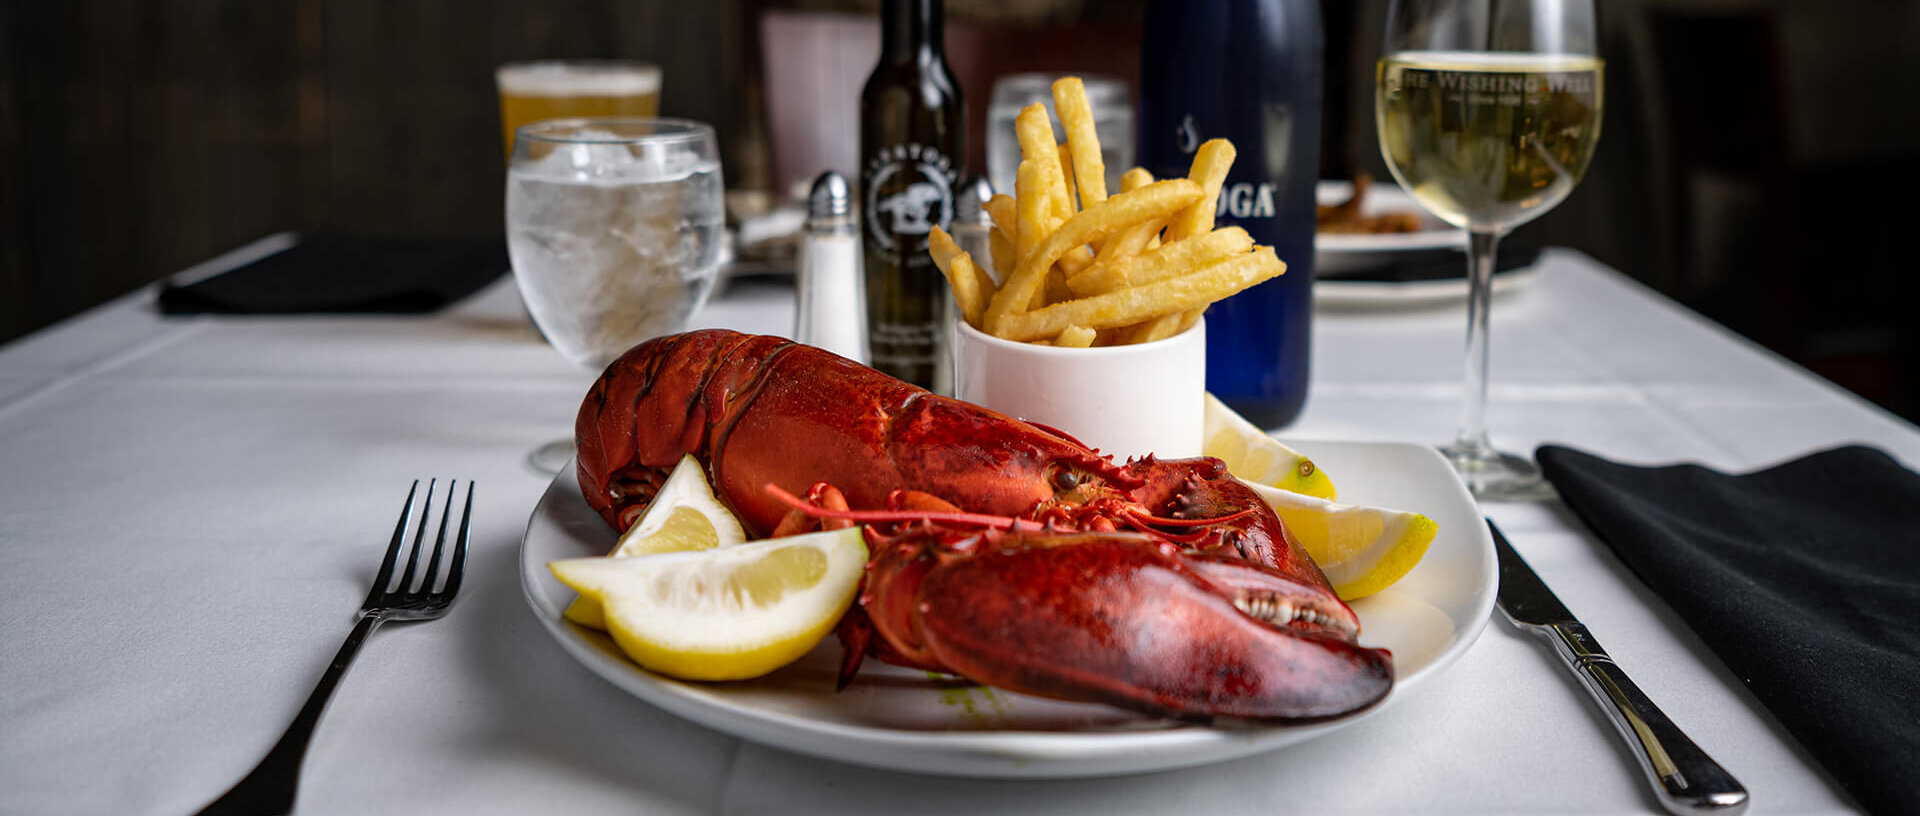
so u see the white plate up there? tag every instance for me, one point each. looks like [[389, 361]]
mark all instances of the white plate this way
[[913, 721], [1337, 251], [1363, 294]]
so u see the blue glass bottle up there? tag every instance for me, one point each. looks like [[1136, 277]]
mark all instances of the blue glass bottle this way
[[1248, 71]]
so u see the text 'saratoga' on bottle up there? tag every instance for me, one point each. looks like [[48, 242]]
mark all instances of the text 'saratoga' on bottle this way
[[912, 149]]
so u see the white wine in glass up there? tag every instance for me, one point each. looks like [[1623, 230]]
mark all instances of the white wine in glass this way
[[1489, 141], [1488, 115]]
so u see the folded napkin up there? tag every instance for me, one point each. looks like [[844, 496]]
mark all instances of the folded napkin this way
[[1804, 578], [1433, 265], [339, 274]]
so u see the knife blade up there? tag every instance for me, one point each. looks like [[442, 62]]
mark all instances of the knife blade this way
[[1685, 779]]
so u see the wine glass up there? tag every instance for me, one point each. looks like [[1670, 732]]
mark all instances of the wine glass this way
[[1488, 112], [614, 229]]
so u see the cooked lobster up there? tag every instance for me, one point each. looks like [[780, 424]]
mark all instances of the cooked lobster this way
[[1005, 552]]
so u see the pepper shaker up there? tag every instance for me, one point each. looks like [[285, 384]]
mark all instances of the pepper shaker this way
[[832, 305]]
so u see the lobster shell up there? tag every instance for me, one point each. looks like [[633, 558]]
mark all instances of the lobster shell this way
[[1165, 586]]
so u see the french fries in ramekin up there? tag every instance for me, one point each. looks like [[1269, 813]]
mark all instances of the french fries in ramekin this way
[[1078, 267]]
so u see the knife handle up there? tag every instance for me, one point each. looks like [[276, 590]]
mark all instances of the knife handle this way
[[1686, 780]]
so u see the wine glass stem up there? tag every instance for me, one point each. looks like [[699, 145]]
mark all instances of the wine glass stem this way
[[1482, 247]]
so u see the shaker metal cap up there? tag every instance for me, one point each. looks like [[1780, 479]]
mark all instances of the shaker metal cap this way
[[830, 198]]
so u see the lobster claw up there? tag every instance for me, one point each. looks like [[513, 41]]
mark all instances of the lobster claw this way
[[1121, 620]]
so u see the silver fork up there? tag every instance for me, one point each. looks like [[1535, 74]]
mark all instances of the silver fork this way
[[269, 788]]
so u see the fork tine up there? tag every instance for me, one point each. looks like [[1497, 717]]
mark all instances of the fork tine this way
[[419, 539], [457, 566], [393, 550], [439, 540]]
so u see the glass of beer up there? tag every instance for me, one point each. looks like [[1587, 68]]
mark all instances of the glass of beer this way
[[1488, 114], [557, 89]]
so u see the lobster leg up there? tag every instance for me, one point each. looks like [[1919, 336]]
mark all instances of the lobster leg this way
[[821, 496], [1128, 623]]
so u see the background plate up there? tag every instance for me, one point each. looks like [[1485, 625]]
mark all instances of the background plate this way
[[913, 721], [1338, 250]]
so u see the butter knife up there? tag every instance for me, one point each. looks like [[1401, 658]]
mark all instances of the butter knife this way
[[1685, 779]]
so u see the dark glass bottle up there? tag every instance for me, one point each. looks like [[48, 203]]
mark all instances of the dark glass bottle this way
[[1248, 71], [912, 132]]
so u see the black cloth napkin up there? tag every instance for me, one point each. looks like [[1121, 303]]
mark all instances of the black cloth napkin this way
[[1804, 578], [347, 274], [1433, 265]]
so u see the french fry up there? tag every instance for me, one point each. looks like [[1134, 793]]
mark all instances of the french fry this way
[[1210, 165], [1035, 211], [1131, 241], [1053, 291], [1192, 290], [971, 287], [1172, 259], [1135, 239], [1076, 118], [1001, 251], [1159, 328], [1076, 260], [1103, 276], [1005, 214], [942, 247], [1066, 173], [1076, 337], [1210, 171], [1157, 200], [1035, 134]]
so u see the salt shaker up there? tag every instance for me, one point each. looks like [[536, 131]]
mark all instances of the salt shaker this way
[[832, 309]]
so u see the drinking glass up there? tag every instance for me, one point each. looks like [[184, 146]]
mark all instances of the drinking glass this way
[[1112, 122], [1488, 112], [555, 89], [614, 232]]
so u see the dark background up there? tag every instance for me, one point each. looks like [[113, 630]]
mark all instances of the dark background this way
[[1756, 164]]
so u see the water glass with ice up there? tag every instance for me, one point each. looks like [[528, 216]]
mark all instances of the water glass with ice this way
[[614, 228]]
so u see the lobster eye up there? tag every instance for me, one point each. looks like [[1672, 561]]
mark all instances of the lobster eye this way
[[1066, 479]]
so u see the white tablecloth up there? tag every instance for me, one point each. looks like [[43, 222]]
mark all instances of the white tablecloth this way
[[190, 508]]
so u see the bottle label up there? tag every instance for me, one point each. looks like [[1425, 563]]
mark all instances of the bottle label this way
[[1240, 200], [909, 192]]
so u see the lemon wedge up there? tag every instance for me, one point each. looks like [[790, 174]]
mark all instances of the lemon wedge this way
[[1254, 456], [730, 613], [684, 516], [1361, 549]]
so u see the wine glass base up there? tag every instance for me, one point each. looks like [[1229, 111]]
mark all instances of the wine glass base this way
[[1494, 476], [551, 458]]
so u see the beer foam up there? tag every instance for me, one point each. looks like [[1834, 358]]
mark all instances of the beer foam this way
[[578, 79]]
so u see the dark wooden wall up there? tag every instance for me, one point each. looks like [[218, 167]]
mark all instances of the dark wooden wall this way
[[138, 138]]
